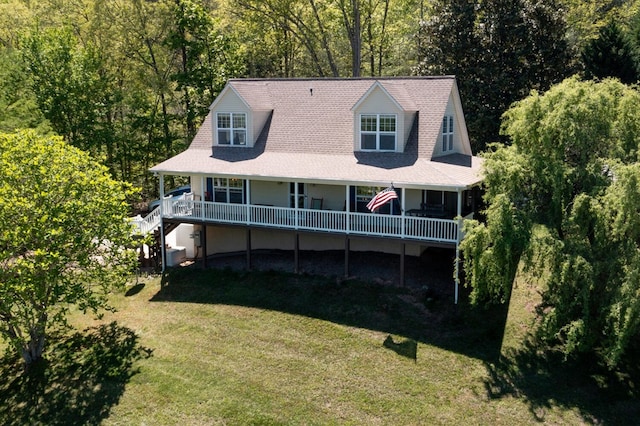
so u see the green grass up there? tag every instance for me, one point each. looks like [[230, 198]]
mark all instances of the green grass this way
[[222, 347]]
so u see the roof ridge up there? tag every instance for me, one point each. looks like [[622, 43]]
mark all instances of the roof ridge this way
[[391, 78]]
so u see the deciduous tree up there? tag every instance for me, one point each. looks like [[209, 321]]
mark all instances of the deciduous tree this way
[[64, 240], [563, 204]]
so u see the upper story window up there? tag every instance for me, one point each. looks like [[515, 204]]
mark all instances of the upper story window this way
[[378, 132], [232, 128], [447, 133]]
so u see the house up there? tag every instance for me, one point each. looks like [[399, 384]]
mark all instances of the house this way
[[285, 163]]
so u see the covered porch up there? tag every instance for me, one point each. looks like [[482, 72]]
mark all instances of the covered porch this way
[[419, 213]]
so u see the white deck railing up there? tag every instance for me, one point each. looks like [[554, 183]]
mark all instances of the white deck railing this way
[[147, 224], [414, 228]]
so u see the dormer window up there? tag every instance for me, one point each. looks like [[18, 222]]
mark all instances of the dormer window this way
[[378, 132], [447, 133], [232, 128]]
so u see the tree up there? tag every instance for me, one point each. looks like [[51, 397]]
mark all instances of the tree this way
[[72, 88], [610, 55], [63, 237], [207, 60], [499, 49], [563, 204], [18, 106]]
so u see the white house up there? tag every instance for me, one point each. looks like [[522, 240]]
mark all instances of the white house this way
[[280, 163]]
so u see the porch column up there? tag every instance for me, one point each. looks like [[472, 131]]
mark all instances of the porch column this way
[[347, 205], [202, 191], [248, 185], [295, 205], [402, 208], [162, 240], [457, 266]]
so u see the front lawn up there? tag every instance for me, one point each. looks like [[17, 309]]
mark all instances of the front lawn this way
[[225, 347]]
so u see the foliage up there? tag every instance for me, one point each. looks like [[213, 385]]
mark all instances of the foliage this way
[[207, 59], [610, 55], [69, 85], [571, 170], [499, 50], [330, 38], [63, 237], [18, 106]]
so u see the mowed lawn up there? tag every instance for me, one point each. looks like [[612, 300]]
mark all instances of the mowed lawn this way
[[200, 347]]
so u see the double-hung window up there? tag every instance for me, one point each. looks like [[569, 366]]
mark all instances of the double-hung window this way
[[447, 133], [378, 132], [228, 190], [232, 128]]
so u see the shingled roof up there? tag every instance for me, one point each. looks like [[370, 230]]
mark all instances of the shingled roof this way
[[309, 136]]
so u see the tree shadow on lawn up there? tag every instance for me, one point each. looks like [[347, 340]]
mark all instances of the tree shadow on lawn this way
[[83, 376], [425, 315], [546, 380], [420, 314]]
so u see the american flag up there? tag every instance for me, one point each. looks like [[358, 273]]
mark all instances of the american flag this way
[[381, 198]]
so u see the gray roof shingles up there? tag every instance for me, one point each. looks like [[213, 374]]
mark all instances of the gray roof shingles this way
[[309, 136]]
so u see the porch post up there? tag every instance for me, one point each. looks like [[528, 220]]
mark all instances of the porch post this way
[[202, 191], [457, 266], [402, 208], [347, 205], [162, 240], [248, 185], [295, 207]]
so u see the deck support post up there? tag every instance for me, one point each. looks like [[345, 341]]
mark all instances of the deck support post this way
[[163, 244], [402, 253], [248, 246], [203, 243], [459, 234], [296, 253], [346, 256]]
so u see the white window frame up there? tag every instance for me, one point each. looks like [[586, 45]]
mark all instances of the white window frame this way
[[302, 195], [236, 134], [447, 133], [226, 187], [378, 132]]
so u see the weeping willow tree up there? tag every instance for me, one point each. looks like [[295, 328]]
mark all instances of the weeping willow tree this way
[[564, 203]]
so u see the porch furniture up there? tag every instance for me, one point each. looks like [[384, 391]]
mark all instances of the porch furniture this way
[[428, 211], [316, 203]]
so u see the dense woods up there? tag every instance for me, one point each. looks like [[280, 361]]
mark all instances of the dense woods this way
[[129, 81]]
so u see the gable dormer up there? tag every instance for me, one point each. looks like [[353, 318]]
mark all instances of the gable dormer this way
[[236, 123], [381, 123], [453, 137]]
